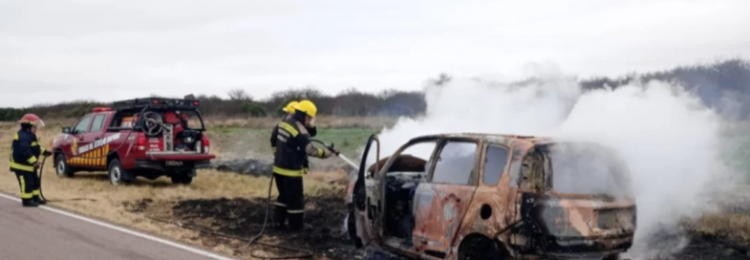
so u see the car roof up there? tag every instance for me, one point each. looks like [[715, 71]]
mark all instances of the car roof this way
[[490, 137]]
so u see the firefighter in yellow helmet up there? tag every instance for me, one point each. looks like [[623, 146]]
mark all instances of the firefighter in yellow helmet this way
[[289, 109], [293, 147], [24, 160]]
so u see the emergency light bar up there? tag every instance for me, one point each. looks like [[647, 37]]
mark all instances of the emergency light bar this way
[[101, 109]]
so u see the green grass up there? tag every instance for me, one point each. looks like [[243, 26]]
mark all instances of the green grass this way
[[346, 140]]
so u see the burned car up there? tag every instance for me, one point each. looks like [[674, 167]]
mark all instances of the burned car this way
[[488, 196]]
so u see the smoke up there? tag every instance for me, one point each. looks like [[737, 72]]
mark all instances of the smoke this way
[[669, 140]]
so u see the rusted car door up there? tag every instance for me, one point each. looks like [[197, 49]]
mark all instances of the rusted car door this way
[[442, 201]]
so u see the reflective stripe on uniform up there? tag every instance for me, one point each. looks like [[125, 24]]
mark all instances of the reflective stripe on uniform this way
[[287, 172], [21, 167], [16, 137], [289, 128], [320, 152], [24, 195], [35, 192], [31, 160], [296, 211], [279, 204], [34, 144]]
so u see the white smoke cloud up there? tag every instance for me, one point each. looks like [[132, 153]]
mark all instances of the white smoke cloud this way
[[668, 138]]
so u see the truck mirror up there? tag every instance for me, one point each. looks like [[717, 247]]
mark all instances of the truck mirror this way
[[66, 130]]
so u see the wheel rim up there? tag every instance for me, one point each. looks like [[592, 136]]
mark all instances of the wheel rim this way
[[114, 174], [61, 167]]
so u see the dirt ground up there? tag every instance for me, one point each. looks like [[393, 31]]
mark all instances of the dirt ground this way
[[244, 218]]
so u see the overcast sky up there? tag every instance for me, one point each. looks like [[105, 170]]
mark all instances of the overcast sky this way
[[52, 51]]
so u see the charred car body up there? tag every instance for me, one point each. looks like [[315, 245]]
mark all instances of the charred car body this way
[[482, 196]]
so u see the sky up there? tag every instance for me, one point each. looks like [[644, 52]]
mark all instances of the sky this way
[[63, 50]]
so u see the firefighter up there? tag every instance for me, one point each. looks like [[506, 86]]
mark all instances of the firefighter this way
[[312, 130], [293, 145], [24, 159]]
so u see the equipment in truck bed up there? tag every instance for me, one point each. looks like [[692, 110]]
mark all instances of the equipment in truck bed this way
[[155, 103]]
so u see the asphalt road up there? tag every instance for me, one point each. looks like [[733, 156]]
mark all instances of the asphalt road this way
[[48, 233]]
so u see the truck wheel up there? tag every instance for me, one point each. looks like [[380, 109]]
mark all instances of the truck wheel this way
[[182, 179], [116, 173], [61, 166]]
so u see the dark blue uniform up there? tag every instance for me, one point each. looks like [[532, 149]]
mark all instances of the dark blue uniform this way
[[290, 140], [25, 152]]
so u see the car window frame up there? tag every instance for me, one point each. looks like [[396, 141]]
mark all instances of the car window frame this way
[[506, 166], [474, 174]]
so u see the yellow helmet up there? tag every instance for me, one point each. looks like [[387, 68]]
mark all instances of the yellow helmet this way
[[290, 107], [308, 107]]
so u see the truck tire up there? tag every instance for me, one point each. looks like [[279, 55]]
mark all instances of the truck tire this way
[[116, 173], [182, 179], [61, 166]]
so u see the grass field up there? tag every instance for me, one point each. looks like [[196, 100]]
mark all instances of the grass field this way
[[247, 142]]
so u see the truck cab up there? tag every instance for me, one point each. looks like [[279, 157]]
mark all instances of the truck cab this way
[[149, 137], [489, 196]]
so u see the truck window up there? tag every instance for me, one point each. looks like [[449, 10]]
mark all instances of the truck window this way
[[83, 125], [495, 161], [98, 123], [455, 164]]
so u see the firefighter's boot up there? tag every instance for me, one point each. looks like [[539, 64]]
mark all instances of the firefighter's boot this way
[[29, 203], [280, 217], [38, 200]]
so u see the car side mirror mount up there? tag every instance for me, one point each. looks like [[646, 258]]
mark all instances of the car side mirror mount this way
[[66, 130]]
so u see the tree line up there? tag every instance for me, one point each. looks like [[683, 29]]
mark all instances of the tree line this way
[[724, 85], [238, 102]]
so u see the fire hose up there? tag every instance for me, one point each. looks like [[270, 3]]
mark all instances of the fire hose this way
[[40, 174], [308, 254], [254, 240]]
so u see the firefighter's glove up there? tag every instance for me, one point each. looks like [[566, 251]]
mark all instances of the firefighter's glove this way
[[333, 150], [47, 153]]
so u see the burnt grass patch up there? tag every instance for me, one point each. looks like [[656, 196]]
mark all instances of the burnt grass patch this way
[[240, 217]]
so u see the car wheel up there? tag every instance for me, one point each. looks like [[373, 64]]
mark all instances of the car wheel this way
[[182, 179], [479, 248], [116, 173], [61, 166]]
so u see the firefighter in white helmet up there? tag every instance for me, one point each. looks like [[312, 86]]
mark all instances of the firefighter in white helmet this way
[[24, 160]]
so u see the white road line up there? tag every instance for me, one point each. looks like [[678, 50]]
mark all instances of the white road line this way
[[128, 231]]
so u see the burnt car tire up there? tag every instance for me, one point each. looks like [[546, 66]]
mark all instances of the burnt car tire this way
[[116, 173], [61, 166], [480, 248]]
